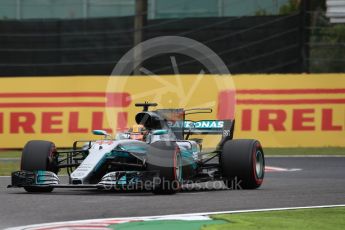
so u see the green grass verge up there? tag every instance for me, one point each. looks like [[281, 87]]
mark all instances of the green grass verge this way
[[302, 151], [6, 167], [268, 151], [306, 219], [305, 151], [165, 224], [10, 154]]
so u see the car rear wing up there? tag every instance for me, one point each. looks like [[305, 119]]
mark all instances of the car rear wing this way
[[176, 121], [205, 127]]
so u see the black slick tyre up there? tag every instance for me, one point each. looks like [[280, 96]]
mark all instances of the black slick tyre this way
[[39, 155], [165, 157], [242, 164]]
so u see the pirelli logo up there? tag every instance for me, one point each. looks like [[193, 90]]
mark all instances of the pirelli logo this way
[[26, 110], [292, 109]]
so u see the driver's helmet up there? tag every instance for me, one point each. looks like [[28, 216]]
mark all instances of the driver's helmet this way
[[137, 132]]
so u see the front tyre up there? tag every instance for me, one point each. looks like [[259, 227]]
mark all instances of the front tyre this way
[[39, 155], [165, 157], [242, 163]]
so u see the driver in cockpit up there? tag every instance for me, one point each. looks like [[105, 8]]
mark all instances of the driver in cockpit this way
[[138, 132]]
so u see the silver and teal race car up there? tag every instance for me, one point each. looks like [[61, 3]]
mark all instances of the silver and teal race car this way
[[158, 154]]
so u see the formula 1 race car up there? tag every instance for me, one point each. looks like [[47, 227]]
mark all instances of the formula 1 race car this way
[[158, 154]]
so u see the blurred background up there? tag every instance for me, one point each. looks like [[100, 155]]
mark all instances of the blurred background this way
[[88, 37]]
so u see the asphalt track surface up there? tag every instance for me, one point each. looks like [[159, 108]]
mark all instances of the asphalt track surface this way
[[320, 182]]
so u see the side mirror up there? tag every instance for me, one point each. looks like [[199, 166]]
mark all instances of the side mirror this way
[[160, 132], [100, 132]]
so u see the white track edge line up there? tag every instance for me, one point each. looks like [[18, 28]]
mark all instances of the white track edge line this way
[[178, 215]]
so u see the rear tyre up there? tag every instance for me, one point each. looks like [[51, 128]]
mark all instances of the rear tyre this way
[[242, 163], [39, 155], [165, 157]]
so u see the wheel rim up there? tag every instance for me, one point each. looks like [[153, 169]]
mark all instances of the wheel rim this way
[[259, 164]]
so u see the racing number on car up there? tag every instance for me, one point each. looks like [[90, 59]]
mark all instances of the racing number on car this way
[[226, 133]]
